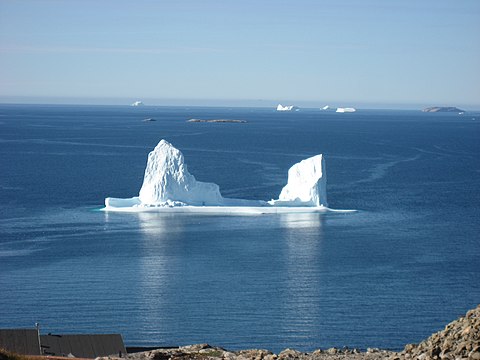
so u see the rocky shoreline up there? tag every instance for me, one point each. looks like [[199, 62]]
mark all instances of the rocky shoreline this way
[[459, 340], [207, 352]]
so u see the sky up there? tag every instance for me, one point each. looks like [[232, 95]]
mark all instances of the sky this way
[[393, 53]]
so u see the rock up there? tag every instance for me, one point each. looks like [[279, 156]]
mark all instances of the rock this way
[[227, 355], [459, 340], [158, 355], [447, 344], [435, 352], [254, 354], [194, 348], [290, 354], [474, 355], [442, 109], [332, 351], [409, 347]]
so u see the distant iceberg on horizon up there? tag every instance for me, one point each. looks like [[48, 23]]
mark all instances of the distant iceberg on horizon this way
[[345, 110], [138, 103], [168, 186], [280, 107]]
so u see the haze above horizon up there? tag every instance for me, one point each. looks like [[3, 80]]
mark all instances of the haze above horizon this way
[[344, 52]]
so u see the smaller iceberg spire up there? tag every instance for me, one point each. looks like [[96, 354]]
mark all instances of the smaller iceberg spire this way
[[306, 185]]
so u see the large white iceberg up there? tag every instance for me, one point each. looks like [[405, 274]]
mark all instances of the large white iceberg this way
[[168, 186]]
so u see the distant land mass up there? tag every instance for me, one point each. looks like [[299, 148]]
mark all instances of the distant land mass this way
[[442, 109]]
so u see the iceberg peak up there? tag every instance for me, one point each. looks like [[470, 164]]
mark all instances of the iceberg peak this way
[[167, 179]]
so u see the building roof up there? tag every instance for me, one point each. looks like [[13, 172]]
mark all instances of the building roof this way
[[26, 342], [84, 346], [20, 341]]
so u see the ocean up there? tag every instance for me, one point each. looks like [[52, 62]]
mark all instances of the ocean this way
[[399, 268]]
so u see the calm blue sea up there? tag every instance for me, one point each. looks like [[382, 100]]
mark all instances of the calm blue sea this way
[[392, 273]]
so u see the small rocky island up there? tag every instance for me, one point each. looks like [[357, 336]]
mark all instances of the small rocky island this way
[[216, 121], [443, 109]]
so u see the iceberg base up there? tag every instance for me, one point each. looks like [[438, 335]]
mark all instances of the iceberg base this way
[[231, 207]]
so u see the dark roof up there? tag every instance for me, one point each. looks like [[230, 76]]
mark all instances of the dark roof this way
[[20, 341], [84, 346]]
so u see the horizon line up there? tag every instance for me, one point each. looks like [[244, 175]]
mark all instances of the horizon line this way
[[211, 102]]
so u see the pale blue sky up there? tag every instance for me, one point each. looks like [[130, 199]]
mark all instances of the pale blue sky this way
[[345, 52]]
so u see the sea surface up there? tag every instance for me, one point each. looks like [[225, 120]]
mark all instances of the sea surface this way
[[401, 267]]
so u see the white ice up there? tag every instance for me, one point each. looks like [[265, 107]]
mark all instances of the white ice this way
[[306, 186], [169, 187], [280, 107], [346, 110], [167, 179]]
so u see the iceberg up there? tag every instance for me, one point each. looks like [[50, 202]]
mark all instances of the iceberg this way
[[306, 185], [168, 186], [346, 110], [137, 103], [280, 107], [167, 179]]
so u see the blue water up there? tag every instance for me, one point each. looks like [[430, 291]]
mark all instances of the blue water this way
[[397, 270]]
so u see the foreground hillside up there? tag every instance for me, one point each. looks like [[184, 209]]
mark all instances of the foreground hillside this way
[[459, 340]]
